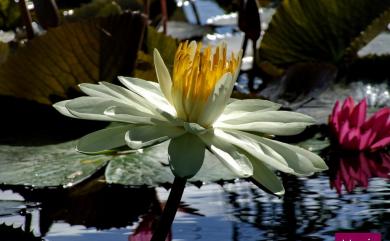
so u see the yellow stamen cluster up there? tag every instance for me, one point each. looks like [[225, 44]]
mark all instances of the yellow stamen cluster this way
[[195, 74]]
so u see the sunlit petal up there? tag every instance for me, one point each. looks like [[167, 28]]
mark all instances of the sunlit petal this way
[[103, 140], [142, 136]]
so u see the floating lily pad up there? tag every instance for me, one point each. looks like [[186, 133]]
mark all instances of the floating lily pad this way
[[321, 30], [88, 51], [150, 167], [52, 165]]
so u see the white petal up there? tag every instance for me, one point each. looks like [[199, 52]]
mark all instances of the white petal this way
[[250, 105], [186, 155], [151, 94], [90, 108], [267, 178], [316, 160], [163, 76], [217, 100], [127, 97], [142, 136], [301, 161], [271, 128], [127, 115], [266, 116], [96, 90], [229, 155], [103, 140], [252, 147], [61, 107]]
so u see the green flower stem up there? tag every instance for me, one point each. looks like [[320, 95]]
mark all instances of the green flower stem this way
[[170, 209]]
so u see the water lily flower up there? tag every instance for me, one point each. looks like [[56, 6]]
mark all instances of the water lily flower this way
[[194, 111], [355, 171], [353, 132]]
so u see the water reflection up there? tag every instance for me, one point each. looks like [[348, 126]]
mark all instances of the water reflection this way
[[310, 209], [355, 170]]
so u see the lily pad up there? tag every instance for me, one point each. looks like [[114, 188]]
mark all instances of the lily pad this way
[[52, 165], [52, 65], [321, 30], [150, 167], [96, 8]]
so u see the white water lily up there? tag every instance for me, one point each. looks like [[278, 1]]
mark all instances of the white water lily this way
[[194, 111]]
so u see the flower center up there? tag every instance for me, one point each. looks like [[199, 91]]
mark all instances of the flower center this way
[[195, 74]]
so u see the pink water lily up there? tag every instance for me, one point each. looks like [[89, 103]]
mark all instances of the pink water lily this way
[[353, 132]]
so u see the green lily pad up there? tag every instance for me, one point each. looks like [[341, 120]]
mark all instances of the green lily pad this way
[[53, 64], [321, 30], [52, 165], [150, 167]]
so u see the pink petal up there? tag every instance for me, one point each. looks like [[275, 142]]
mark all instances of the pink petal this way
[[366, 139], [380, 144], [358, 114], [343, 133]]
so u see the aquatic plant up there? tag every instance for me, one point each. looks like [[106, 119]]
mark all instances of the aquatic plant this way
[[353, 132]]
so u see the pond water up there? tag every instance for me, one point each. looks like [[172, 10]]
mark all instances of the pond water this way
[[310, 210]]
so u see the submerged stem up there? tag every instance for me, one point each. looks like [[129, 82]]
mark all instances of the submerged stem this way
[[170, 209]]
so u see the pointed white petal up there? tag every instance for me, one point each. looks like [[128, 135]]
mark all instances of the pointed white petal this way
[[142, 136], [96, 90], [91, 108], [228, 154], [123, 114], [103, 140], [267, 178], [316, 160], [250, 105], [127, 97], [252, 147], [151, 94], [271, 128], [186, 155], [163, 76], [266, 116], [217, 100], [61, 107], [301, 161]]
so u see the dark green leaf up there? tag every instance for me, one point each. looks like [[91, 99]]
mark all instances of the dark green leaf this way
[[96, 8], [52, 165], [9, 14], [321, 30], [89, 51]]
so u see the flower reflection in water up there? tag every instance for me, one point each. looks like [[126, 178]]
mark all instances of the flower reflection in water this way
[[147, 225], [356, 170]]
